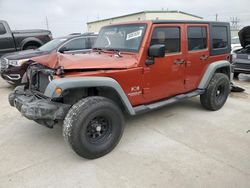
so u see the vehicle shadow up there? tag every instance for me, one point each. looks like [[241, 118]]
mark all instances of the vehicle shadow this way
[[5, 85], [169, 110]]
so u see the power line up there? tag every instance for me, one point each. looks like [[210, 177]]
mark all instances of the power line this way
[[235, 23]]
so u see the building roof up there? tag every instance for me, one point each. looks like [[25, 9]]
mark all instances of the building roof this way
[[148, 11]]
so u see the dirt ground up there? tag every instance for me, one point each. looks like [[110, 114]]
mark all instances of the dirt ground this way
[[181, 145]]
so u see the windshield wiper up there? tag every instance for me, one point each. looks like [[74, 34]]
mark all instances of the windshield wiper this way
[[117, 52], [99, 50]]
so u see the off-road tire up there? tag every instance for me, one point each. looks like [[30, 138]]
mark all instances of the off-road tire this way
[[81, 120], [216, 93]]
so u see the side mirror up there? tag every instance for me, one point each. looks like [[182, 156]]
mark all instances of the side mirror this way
[[63, 49], [157, 50]]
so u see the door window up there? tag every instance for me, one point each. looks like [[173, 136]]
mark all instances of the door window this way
[[76, 44], [2, 29], [92, 41], [169, 36], [197, 38]]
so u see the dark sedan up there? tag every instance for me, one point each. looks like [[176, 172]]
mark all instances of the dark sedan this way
[[14, 65]]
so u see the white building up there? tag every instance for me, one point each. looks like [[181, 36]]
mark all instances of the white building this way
[[144, 15]]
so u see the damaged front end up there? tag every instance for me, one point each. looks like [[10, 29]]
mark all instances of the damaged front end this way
[[31, 101]]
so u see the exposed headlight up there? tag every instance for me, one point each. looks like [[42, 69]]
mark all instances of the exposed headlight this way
[[17, 63]]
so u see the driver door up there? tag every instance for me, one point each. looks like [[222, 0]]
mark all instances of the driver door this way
[[165, 78]]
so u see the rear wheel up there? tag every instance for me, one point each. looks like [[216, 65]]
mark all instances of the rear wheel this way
[[93, 127], [216, 93], [31, 47]]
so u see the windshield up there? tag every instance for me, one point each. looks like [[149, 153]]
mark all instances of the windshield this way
[[235, 41], [53, 44], [121, 37]]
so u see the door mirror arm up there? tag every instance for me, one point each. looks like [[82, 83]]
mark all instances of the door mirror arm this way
[[150, 61]]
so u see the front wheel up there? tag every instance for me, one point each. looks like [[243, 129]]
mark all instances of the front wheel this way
[[93, 127], [216, 93]]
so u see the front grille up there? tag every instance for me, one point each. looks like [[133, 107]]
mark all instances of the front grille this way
[[39, 78], [3, 64], [43, 81]]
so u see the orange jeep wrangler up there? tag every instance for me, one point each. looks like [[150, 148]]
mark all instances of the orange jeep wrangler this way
[[133, 68]]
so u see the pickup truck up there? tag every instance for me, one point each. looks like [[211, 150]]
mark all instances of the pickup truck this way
[[11, 41]]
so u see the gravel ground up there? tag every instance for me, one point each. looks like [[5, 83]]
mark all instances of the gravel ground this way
[[181, 145]]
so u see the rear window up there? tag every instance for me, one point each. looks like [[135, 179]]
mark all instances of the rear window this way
[[2, 29], [197, 38], [220, 38]]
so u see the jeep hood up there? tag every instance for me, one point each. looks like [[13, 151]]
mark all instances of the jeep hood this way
[[244, 35], [91, 60]]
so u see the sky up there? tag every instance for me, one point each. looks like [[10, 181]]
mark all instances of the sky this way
[[71, 16]]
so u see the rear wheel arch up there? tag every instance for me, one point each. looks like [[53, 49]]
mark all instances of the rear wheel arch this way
[[224, 70], [31, 45], [31, 41], [215, 67]]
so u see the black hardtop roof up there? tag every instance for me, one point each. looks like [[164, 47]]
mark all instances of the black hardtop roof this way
[[188, 21]]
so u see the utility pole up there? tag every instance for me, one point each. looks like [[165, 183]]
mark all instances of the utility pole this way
[[216, 17], [235, 23], [47, 23], [235, 26]]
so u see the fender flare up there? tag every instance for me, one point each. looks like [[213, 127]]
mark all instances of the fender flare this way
[[211, 69], [85, 82], [30, 39]]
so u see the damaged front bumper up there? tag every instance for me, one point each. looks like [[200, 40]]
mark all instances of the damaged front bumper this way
[[37, 109]]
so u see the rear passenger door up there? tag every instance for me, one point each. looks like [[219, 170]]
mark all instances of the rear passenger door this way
[[197, 54]]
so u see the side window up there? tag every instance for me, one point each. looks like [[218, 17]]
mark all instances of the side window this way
[[2, 29], [220, 38], [197, 38], [92, 41], [170, 36], [76, 44]]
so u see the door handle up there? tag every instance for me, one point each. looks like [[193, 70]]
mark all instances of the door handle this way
[[179, 61], [204, 57]]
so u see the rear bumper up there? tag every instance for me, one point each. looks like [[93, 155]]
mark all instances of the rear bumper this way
[[37, 109]]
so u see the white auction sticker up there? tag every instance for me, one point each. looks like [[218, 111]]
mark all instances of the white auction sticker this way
[[134, 35]]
